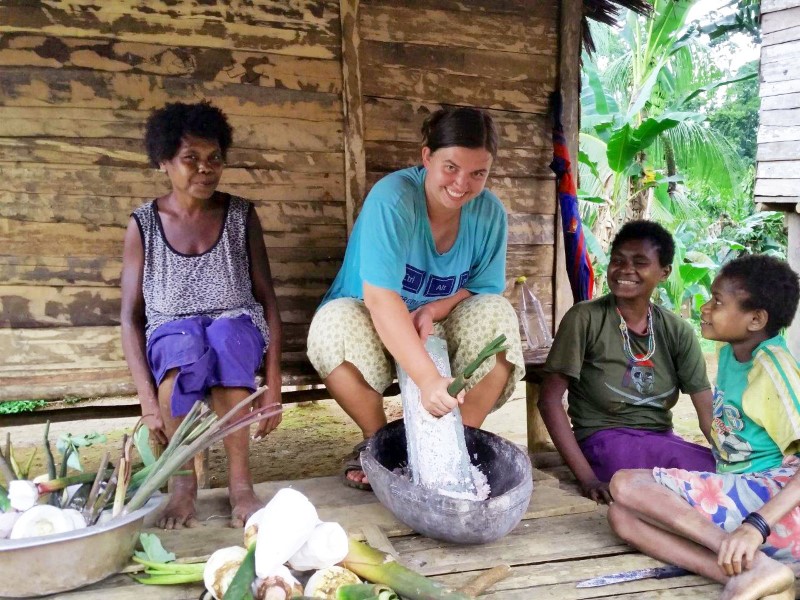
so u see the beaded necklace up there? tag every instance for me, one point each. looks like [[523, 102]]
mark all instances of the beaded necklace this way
[[626, 339]]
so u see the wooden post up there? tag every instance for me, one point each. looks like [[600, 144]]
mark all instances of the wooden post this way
[[793, 256], [569, 82], [355, 167]]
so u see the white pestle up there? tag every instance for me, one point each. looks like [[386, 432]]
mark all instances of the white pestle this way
[[437, 450]]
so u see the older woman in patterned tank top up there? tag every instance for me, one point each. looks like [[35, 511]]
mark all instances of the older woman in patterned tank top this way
[[198, 305]]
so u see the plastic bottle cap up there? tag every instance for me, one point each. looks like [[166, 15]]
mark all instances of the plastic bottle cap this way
[[521, 279]]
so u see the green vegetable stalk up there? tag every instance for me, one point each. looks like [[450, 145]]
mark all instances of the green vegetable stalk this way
[[374, 565], [492, 348], [241, 586], [366, 591]]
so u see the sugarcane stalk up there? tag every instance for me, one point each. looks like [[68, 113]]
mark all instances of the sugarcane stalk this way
[[102, 500], [492, 348], [378, 567], [55, 485], [90, 499]]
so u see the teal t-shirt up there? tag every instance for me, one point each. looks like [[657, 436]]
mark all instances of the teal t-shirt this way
[[392, 246], [756, 408], [606, 388]]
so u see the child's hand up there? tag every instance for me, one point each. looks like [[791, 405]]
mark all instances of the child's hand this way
[[155, 424], [596, 490], [269, 398], [737, 551], [435, 398]]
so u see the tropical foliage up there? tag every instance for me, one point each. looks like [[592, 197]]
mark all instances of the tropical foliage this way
[[668, 135]]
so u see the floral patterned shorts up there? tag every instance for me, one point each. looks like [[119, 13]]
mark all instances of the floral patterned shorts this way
[[727, 498], [342, 330]]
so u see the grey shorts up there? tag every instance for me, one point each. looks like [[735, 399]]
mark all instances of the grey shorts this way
[[342, 331]]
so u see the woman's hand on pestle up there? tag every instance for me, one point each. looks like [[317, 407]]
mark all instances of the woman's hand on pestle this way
[[596, 490], [435, 398]]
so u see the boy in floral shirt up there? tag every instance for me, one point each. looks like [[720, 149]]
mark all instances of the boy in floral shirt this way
[[735, 525]]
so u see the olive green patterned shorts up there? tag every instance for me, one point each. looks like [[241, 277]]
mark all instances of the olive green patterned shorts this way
[[342, 330]]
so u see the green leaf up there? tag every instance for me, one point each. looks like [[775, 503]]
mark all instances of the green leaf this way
[[140, 440], [241, 585], [153, 551], [626, 143]]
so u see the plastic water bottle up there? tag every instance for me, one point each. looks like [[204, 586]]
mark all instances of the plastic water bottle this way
[[531, 315]]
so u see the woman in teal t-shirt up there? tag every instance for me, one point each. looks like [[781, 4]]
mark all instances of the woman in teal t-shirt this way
[[427, 254]]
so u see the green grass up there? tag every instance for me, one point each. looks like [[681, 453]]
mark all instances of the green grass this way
[[20, 406]]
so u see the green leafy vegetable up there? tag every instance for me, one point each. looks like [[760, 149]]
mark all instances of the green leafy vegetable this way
[[153, 551]]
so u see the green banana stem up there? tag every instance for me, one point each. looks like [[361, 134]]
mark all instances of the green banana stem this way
[[492, 348]]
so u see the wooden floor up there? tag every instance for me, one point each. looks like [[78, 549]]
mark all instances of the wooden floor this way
[[563, 539]]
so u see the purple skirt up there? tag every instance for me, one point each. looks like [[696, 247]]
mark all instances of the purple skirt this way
[[207, 353], [611, 450]]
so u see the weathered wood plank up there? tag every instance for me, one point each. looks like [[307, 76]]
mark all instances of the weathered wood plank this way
[[507, 69], [782, 102], [397, 120], [558, 580], [260, 185], [781, 37], [425, 85], [77, 348], [776, 133], [777, 151], [78, 306], [530, 229], [81, 241], [779, 169], [773, 22], [187, 25], [290, 266], [768, 6], [353, 102], [35, 87], [540, 8], [224, 65], [117, 152], [511, 162], [527, 33], [779, 53], [777, 187], [107, 126], [780, 118]]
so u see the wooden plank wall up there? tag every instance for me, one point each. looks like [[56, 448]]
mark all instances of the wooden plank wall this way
[[78, 79], [778, 155]]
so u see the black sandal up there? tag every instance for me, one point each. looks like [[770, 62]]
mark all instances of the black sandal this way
[[352, 462]]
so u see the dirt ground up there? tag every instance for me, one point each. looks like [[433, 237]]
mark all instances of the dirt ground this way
[[310, 442]]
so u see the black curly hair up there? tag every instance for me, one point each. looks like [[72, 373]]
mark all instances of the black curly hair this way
[[768, 284], [650, 231], [167, 126], [462, 126]]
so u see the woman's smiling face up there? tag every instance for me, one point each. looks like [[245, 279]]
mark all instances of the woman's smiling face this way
[[455, 175], [196, 168], [635, 270]]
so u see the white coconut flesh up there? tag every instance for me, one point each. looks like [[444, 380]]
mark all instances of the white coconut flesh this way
[[221, 568], [324, 583]]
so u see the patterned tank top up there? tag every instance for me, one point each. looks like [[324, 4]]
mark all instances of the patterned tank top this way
[[215, 283]]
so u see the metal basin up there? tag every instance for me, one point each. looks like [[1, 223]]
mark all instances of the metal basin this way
[[506, 466], [57, 563]]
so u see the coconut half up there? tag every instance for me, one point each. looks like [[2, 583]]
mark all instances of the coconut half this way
[[42, 519]]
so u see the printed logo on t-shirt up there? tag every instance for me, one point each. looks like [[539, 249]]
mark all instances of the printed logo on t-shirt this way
[[462, 281], [639, 381], [412, 282], [440, 286]]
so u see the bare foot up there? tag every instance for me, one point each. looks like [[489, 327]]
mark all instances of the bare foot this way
[[357, 476], [766, 577], [180, 511], [244, 503]]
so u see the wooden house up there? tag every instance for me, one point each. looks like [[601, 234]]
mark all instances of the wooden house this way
[[325, 97], [778, 156]]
